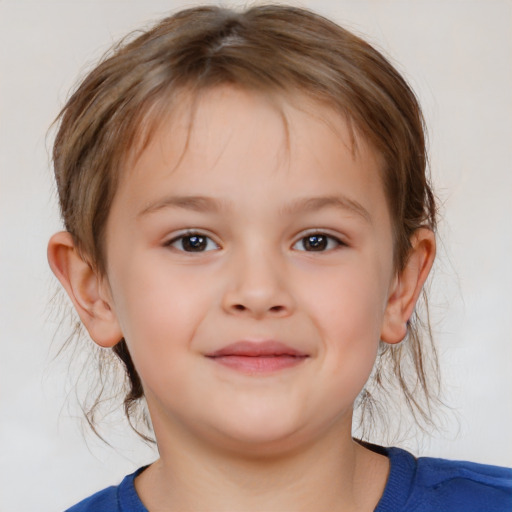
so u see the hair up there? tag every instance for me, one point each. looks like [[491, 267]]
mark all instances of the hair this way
[[276, 50]]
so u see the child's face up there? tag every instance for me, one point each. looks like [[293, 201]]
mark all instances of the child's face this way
[[287, 241]]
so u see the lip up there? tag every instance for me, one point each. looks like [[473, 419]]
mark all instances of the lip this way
[[257, 349], [258, 357]]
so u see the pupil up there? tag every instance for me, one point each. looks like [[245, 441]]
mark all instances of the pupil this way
[[315, 243], [194, 243]]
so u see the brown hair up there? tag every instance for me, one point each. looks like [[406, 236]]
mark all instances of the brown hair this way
[[274, 49]]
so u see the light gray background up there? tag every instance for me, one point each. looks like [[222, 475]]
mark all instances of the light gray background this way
[[458, 57]]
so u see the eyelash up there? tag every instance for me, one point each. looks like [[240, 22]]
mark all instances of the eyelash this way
[[189, 236], [318, 237], [322, 241]]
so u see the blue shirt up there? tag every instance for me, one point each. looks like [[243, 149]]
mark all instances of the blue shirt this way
[[425, 484]]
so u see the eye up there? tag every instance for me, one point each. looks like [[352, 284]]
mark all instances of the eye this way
[[193, 242], [317, 242]]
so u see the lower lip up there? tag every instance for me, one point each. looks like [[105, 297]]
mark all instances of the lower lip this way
[[259, 364]]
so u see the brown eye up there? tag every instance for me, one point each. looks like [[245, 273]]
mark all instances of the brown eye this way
[[193, 243], [317, 242], [314, 243]]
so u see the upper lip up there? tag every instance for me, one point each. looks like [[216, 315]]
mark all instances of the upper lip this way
[[257, 349]]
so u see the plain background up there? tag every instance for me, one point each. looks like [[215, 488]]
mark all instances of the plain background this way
[[458, 57]]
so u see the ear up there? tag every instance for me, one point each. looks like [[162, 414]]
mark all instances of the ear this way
[[407, 286], [88, 291]]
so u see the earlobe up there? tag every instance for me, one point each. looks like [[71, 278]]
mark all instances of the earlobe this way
[[86, 289], [407, 286]]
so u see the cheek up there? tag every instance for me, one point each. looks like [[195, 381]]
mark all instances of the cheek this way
[[159, 311], [347, 309], [347, 304]]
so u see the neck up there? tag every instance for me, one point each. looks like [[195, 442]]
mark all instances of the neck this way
[[332, 473]]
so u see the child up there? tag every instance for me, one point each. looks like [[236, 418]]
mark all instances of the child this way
[[249, 225]]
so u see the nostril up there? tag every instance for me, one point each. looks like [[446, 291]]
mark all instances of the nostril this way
[[273, 309]]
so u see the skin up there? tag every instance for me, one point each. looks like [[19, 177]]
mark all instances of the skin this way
[[229, 440]]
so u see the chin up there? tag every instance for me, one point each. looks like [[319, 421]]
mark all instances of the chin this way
[[261, 436]]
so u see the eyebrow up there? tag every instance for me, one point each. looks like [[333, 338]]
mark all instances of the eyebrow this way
[[195, 203], [210, 205], [309, 204]]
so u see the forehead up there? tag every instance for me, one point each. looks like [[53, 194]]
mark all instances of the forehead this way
[[228, 136], [186, 118]]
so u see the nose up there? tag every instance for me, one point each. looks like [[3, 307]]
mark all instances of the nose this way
[[258, 286]]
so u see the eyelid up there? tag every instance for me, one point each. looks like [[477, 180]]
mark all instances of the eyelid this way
[[189, 233], [321, 232]]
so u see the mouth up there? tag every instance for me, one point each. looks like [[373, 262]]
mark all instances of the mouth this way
[[258, 357]]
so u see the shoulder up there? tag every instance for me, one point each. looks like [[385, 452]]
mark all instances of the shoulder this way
[[466, 485], [105, 500], [120, 498], [430, 484]]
